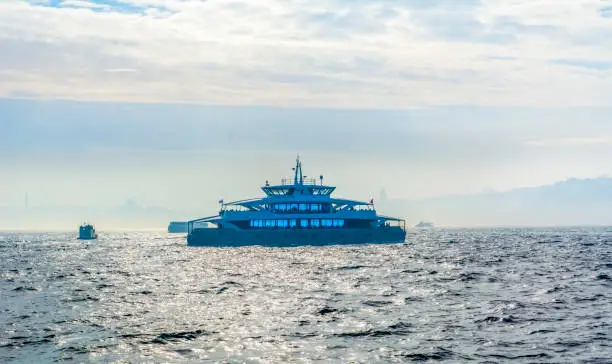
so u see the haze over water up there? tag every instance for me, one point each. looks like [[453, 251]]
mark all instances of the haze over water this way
[[505, 295]]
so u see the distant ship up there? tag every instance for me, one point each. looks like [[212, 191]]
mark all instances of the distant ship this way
[[296, 212], [424, 224], [87, 232], [176, 227]]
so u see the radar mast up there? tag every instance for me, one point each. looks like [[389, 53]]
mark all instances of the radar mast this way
[[298, 172]]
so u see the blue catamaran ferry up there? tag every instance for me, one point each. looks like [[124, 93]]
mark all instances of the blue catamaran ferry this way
[[296, 212]]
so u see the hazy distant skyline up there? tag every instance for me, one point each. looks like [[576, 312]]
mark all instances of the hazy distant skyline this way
[[179, 103], [189, 156]]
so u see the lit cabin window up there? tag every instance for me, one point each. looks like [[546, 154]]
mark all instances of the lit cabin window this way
[[326, 223]]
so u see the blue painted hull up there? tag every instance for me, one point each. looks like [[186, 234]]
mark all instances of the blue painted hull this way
[[291, 238]]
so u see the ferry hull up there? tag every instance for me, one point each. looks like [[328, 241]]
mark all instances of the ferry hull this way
[[290, 238]]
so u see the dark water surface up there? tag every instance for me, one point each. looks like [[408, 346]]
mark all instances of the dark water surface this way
[[505, 295]]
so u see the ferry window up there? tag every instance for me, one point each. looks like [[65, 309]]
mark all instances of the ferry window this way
[[304, 223], [326, 222], [303, 207], [292, 223], [314, 223], [294, 207], [314, 207], [338, 223]]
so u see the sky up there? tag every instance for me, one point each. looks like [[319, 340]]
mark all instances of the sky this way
[[179, 103]]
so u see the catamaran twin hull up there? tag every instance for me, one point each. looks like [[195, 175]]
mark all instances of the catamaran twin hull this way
[[291, 238]]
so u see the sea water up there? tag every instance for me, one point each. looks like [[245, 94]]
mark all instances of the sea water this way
[[488, 295]]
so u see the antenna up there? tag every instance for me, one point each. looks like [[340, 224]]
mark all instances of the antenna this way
[[301, 177], [298, 172]]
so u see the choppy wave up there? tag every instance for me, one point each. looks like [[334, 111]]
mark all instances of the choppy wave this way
[[494, 295]]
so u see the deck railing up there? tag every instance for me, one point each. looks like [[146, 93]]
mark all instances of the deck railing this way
[[307, 181]]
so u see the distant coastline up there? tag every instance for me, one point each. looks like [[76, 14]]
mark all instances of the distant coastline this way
[[570, 203]]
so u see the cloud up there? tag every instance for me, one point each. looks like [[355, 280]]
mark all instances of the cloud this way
[[329, 53], [85, 4], [589, 64], [572, 142]]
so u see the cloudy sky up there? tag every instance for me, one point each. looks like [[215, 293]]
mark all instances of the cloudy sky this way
[[161, 100], [333, 53]]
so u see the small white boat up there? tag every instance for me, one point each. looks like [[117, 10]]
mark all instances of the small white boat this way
[[175, 227], [87, 232], [424, 225]]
